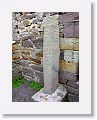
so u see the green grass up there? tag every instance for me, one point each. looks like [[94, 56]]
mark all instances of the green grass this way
[[34, 85], [17, 82]]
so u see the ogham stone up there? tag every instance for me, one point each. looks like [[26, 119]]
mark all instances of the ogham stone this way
[[51, 54], [52, 91]]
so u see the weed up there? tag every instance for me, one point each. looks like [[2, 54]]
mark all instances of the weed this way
[[34, 85], [17, 82]]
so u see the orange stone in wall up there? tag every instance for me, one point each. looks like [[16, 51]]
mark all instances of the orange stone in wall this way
[[68, 66]]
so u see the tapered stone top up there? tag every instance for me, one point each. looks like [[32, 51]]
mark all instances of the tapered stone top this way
[[50, 53]]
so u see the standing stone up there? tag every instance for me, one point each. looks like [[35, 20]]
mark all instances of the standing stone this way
[[51, 54], [52, 91]]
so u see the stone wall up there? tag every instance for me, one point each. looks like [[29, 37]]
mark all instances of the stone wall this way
[[69, 55], [28, 33], [16, 57]]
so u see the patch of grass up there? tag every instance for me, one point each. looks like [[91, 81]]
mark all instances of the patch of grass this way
[[17, 82], [34, 85]]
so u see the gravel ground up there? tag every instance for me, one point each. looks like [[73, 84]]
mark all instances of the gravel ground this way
[[23, 93]]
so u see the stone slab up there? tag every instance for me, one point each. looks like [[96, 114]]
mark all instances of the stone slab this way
[[71, 56], [69, 43], [72, 90], [72, 67], [57, 96], [71, 30], [50, 54], [72, 98], [73, 84], [64, 76], [68, 55]]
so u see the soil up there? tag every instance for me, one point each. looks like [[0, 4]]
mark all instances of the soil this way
[[23, 93]]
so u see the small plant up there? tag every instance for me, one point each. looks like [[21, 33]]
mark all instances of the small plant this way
[[34, 85], [17, 82]]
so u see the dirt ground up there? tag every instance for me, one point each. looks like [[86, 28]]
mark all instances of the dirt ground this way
[[23, 93]]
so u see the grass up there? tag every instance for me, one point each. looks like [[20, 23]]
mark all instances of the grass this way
[[34, 85], [17, 82]]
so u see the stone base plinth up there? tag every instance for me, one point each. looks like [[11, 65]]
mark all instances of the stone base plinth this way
[[57, 96]]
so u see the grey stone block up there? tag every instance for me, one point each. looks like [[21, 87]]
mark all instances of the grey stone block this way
[[63, 76], [67, 17], [17, 69], [71, 90], [38, 43], [31, 16], [50, 54], [72, 98], [27, 43], [28, 72], [71, 30], [13, 65], [39, 76], [75, 15], [73, 84], [25, 35], [76, 29], [25, 63], [29, 78], [37, 68], [14, 75]]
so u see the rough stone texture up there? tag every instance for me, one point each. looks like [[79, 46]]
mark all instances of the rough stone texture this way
[[66, 18], [28, 72], [28, 32], [26, 53], [73, 84], [27, 43], [76, 29], [72, 98], [15, 47], [63, 76], [71, 56], [69, 17], [75, 56], [70, 30], [61, 55], [17, 68], [40, 77], [38, 43], [71, 24], [50, 54], [56, 96], [37, 68], [68, 55], [16, 57], [68, 66], [29, 78], [69, 44], [23, 93], [72, 90]]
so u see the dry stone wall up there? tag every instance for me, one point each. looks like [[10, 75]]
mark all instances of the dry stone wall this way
[[69, 54], [28, 33], [16, 57]]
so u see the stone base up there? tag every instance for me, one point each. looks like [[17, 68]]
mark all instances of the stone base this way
[[57, 96]]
